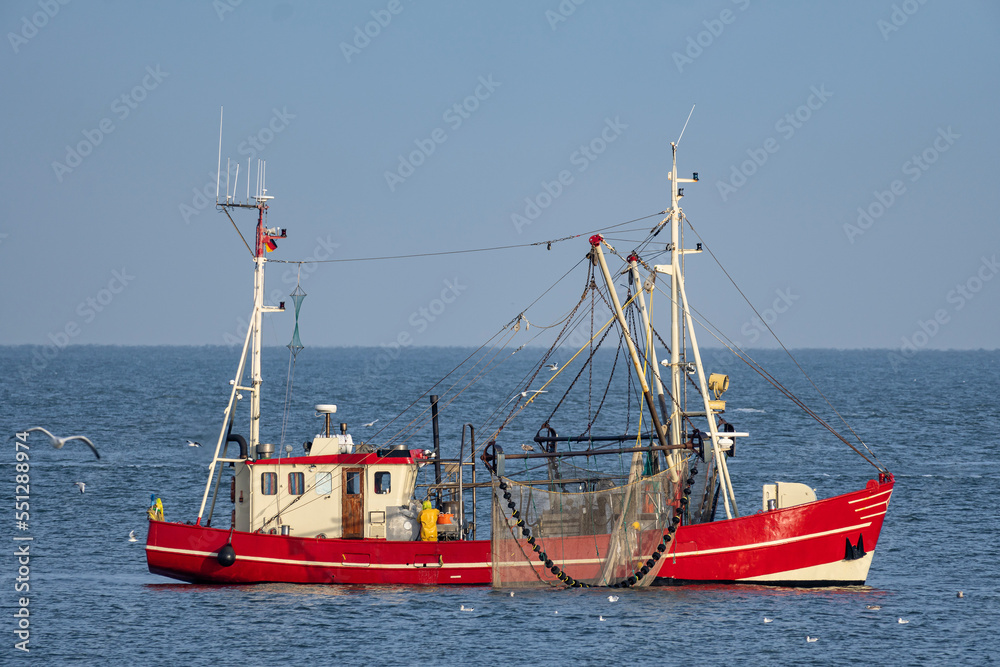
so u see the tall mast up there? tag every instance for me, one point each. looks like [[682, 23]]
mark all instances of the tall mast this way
[[676, 417], [258, 305]]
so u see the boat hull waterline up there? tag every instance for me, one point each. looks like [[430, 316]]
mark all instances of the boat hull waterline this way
[[827, 542]]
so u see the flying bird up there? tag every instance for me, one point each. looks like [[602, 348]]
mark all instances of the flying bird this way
[[553, 367], [131, 536], [192, 443], [524, 394], [80, 485], [58, 442], [369, 424], [811, 639]]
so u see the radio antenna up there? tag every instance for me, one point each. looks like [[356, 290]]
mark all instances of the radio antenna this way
[[678, 142], [218, 171]]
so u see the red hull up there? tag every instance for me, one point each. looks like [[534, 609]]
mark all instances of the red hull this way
[[189, 553], [805, 545]]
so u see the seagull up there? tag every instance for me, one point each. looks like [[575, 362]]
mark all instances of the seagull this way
[[961, 594], [192, 443], [58, 442], [553, 367], [131, 536], [600, 618], [524, 394], [873, 607], [527, 448], [512, 593], [811, 639], [369, 424], [612, 598], [82, 486], [901, 621], [464, 608], [768, 620]]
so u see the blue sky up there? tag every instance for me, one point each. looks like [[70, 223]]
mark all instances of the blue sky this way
[[846, 151]]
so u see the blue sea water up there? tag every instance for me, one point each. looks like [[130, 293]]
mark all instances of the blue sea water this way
[[932, 419]]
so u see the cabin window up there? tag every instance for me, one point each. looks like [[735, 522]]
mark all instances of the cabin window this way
[[353, 483], [324, 483], [382, 482], [269, 483], [296, 483]]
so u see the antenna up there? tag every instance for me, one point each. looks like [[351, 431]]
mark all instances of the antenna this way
[[218, 171], [236, 181], [227, 179], [677, 143], [248, 180]]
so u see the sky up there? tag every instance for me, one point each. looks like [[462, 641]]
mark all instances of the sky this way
[[847, 156]]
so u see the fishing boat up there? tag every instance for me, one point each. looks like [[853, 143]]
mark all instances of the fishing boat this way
[[633, 505]]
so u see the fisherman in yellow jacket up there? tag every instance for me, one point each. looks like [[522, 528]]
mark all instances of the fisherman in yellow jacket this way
[[429, 523]]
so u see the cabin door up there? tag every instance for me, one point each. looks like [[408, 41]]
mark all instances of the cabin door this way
[[353, 503]]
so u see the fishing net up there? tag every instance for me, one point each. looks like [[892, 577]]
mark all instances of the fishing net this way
[[544, 534]]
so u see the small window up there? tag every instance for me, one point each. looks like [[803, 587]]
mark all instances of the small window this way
[[353, 483], [324, 483], [269, 483], [382, 482], [296, 483]]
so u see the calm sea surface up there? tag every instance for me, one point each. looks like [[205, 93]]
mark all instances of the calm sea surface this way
[[933, 419]]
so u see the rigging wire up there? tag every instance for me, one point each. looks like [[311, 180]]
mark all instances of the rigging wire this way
[[458, 252], [787, 351]]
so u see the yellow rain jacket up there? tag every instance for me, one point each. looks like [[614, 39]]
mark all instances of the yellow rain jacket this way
[[428, 523]]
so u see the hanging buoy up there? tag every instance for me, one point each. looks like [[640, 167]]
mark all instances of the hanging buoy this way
[[226, 555]]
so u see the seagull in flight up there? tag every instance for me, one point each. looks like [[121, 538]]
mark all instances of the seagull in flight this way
[[131, 536], [553, 367], [524, 394], [58, 442], [81, 486], [369, 424], [192, 443]]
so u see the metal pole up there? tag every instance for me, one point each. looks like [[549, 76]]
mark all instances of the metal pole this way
[[437, 440], [636, 362]]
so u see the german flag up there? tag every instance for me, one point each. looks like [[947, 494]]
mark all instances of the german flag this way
[[270, 244]]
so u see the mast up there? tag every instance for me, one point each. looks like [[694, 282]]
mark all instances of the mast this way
[[679, 309], [263, 241], [676, 417], [258, 304]]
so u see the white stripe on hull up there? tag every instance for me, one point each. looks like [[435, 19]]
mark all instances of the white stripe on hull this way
[[841, 570], [758, 545]]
